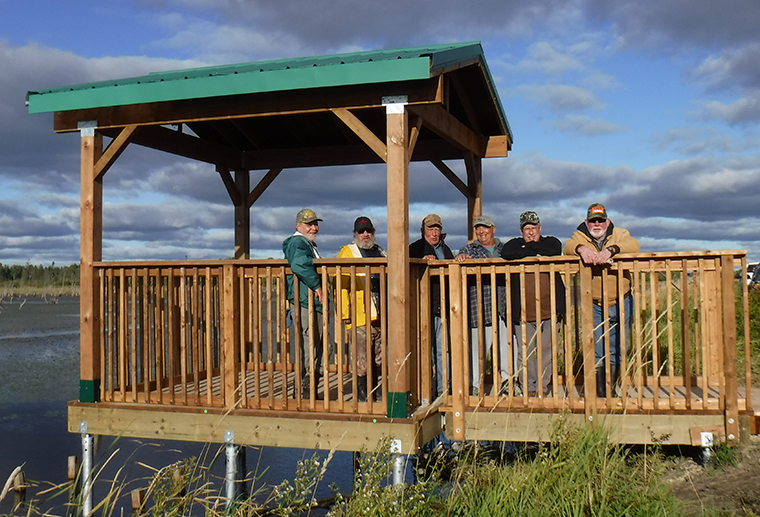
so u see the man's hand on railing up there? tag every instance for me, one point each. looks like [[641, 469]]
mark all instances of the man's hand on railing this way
[[462, 257], [591, 257]]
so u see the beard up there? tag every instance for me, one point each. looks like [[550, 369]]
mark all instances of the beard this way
[[365, 245], [597, 233]]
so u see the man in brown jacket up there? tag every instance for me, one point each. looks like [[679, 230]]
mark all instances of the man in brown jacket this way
[[596, 241]]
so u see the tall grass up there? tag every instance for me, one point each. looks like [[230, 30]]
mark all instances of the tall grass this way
[[579, 472]]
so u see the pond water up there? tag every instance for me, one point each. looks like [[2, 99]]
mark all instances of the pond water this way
[[39, 373]]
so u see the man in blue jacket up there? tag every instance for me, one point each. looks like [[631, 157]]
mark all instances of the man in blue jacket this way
[[300, 250]]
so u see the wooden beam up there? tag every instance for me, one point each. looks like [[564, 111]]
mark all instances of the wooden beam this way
[[452, 177], [251, 105], [229, 184], [498, 146], [313, 431], [448, 127], [114, 150], [729, 349], [362, 131], [262, 185]]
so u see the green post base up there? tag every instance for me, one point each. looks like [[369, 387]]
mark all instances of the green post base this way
[[398, 405], [89, 391]]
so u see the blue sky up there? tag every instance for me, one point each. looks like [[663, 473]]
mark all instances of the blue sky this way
[[650, 108]]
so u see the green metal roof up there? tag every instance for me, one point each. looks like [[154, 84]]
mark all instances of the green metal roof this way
[[265, 76]]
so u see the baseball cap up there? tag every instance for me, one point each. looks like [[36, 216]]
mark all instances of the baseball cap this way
[[596, 211], [432, 220], [307, 215], [529, 217], [363, 223], [483, 220]]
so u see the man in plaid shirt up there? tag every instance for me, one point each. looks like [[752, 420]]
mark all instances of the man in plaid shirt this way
[[486, 246]]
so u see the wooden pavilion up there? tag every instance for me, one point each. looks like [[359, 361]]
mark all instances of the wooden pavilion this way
[[200, 350]]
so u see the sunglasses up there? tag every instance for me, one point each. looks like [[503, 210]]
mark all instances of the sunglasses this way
[[597, 221], [365, 230]]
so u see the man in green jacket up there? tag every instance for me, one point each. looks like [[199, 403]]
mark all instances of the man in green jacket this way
[[300, 250]]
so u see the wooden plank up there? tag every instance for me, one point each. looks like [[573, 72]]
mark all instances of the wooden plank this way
[[474, 166]]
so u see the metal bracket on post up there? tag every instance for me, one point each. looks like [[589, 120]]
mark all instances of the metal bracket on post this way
[[395, 103], [87, 127]]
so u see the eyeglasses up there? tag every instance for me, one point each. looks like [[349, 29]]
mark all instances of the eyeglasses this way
[[366, 230], [597, 221]]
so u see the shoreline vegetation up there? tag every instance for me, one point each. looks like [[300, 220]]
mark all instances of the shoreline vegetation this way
[[17, 281], [579, 471]]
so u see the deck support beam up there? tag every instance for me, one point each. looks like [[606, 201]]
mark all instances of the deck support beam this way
[[90, 251], [88, 443], [399, 333]]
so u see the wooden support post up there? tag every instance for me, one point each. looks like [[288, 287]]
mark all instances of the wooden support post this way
[[587, 337], [242, 216], [399, 332], [474, 167], [459, 348], [230, 334], [729, 349], [90, 251]]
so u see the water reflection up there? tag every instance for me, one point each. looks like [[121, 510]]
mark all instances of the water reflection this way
[[39, 373]]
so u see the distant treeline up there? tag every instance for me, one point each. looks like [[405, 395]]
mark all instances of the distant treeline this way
[[29, 275]]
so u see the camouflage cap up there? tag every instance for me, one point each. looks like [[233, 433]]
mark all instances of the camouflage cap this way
[[529, 217], [432, 220], [307, 215]]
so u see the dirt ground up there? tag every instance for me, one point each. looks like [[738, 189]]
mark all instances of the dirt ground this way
[[731, 490]]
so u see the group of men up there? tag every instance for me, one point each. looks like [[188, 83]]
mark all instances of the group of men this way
[[595, 241]]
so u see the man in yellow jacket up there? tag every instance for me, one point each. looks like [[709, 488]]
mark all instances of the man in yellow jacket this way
[[363, 246], [596, 241]]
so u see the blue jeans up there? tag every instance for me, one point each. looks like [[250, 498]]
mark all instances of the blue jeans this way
[[613, 313], [437, 356]]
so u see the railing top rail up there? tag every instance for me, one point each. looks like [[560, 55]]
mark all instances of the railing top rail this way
[[661, 255]]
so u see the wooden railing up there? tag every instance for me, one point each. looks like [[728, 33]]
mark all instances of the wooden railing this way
[[681, 351], [219, 334]]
